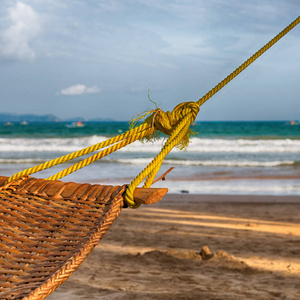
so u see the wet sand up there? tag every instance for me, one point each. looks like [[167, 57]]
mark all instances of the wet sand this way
[[158, 251]]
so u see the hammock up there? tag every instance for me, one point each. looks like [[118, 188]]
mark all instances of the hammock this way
[[49, 227]]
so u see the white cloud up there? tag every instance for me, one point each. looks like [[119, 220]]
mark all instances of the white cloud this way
[[25, 24], [79, 89], [73, 90]]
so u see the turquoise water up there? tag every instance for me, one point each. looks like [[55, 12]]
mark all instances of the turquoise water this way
[[223, 157], [282, 129]]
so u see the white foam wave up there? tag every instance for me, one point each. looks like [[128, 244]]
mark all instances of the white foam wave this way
[[209, 163], [202, 145], [244, 145], [48, 144], [21, 161], [146, 161], [224, 163], [230, 187], [245, 187]]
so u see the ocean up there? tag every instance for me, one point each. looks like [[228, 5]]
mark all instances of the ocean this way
[[260, 158]]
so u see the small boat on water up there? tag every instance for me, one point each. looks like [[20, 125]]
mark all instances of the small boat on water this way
[[75, 125]]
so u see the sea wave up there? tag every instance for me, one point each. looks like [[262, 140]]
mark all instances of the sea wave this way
[[211, 163], [48, 144], [202, 145], [21, 161], [235, 187], [173, 162]]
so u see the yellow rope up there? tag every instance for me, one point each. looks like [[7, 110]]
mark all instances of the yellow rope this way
[[131, 138], [165, 122], [152, 169], [175, 124], [248, 62], [138, 132]]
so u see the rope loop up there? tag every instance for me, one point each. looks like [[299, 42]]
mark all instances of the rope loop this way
[[176, 125], [167, 122]]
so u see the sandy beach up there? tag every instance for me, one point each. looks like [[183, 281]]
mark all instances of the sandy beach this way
[[196, 247]]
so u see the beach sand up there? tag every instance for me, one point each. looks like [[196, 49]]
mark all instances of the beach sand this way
[[158, 251]]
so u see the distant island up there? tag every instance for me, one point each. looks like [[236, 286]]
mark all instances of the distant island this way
[[7, 117], [31, 118]]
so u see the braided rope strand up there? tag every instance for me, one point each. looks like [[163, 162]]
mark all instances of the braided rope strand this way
[[79, 153], [153, 167], [249, 61], [151, 170], [99, 155]]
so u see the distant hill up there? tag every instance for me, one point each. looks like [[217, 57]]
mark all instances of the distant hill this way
[[74, 119], [6, 117], [30, 118]]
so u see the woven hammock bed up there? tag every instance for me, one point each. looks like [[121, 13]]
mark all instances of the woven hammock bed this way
[[48, 227]]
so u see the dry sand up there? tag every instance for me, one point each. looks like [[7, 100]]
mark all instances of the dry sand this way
[[154, 252]]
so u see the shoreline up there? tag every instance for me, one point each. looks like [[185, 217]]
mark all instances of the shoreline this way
[[231, 198]]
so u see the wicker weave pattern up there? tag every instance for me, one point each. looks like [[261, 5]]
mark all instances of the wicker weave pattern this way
[[47, 230]]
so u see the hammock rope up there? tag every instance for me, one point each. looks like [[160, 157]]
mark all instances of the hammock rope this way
[[110, 146], [249, 61], [175, 124]]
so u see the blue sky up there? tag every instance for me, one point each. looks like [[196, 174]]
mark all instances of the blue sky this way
[[97, 58]]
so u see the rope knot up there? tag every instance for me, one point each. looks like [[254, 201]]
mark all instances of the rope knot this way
[[167, 122]]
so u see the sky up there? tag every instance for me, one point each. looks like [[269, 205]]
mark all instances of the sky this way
[[98, 59]]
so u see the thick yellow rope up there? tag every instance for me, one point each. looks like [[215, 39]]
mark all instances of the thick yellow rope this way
[[165, 122], [131, 138], [151, 170], [248, 62], [175, 124], [135, 133]]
